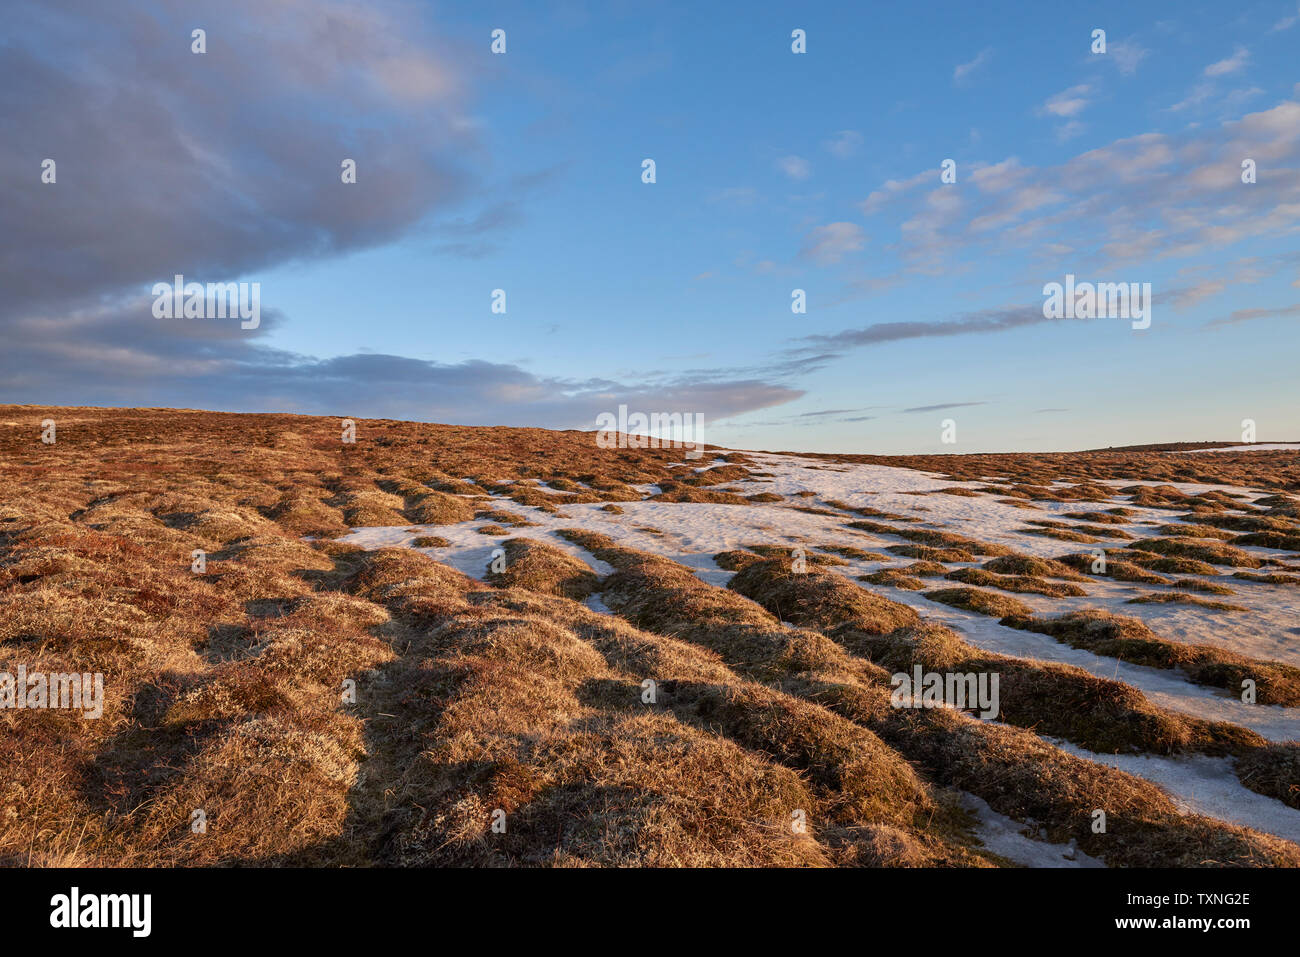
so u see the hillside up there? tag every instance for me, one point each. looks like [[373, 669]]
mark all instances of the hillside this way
[[442, 645]]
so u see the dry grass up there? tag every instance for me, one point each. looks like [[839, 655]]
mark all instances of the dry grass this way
[[1118, 636], [1182, 598], [1014, 770], [893, 577], [978, 600], [1210, 553], [927, 553], [858, 554], [1034, 567], [544, 568], [230, 690], [1025, 584], [933, 538]]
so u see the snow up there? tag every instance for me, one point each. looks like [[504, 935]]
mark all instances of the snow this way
[[1204, 785], [694, 532], [1264, 447], [1002, 835]]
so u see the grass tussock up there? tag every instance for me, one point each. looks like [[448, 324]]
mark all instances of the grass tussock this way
[[537, 566], [1025, 584], [1119, 636], [934, 538], [1013, 769], [325, 705], [1211, 553], [894, 578], [980, 601], [1182, 598], [1034, 567], [927, 553]]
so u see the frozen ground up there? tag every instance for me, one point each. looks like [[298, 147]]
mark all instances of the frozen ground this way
[[692, 533], [1267, 447]]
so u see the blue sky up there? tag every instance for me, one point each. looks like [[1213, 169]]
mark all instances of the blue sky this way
[[775, 171]]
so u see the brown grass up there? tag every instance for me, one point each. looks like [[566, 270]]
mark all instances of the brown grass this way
[[1034, 567], [933, 538], [1118, 636], [537, 566], [1003, 764], [1212, 553], [1025, 584], [893, 577], [978, 600], [1182, 598], [224, 690]]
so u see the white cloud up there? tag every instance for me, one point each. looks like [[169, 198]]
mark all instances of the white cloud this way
[[739, 195], [963, 70], [996, 177], [1126, 55], [1068, 102], [796, 167], [894, 188], [827, 245], [1138, 199], [1199, 94], [844, 143], [1286, 23], [1231, 65], [1068, 131]]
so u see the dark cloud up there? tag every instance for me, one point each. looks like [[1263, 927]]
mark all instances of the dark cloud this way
[[123, 356], [214, 165], [1245, 315], [941, 406], [220, 165], [807, 415], [825, 347]]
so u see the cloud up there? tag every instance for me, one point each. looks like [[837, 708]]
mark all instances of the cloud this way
[[989, 320], [894, 188], [224, 164], [1286, 23], [1232, 64], [962, 71], [123, 356], [796, 167], [1066, 105], [844, 144], [829, 244], [218, 164], [1069, 102], [737, 195], [809, 415], [1135, 200], [1195, 97], [942, 406], [1245, 315], [1068, 131], [1126, 55]]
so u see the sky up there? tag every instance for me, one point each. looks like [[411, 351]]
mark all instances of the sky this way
[[774, 171]]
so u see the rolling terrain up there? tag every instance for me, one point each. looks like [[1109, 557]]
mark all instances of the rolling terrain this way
[[440, 645]]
